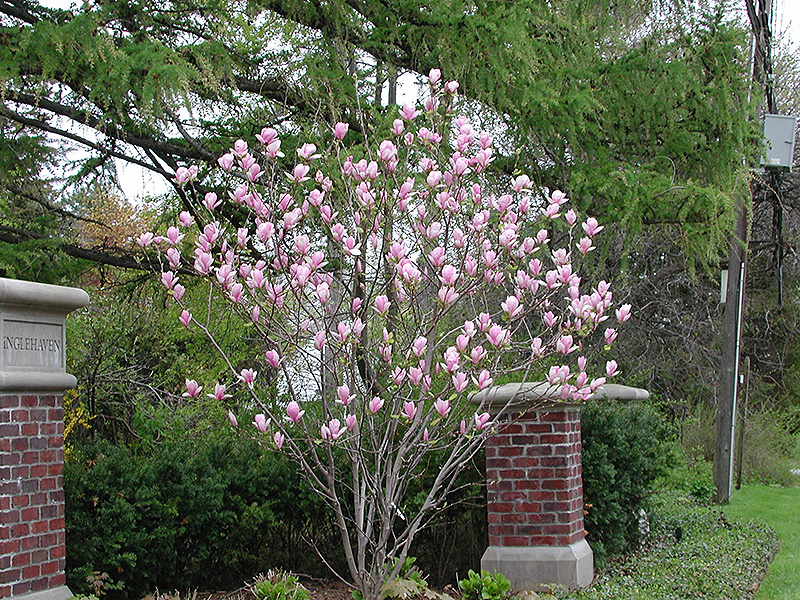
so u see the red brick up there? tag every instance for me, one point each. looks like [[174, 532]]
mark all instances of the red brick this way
[[509, 451], [28, 514], [38, 414], [29, 401], [542, 540], [38, 526], [31, 572], [58, 551], [511, 496], [37, 443], [38, 471], [538, 451], [511, 428], [10, 430], [525, 440], [498, 463], [22, 559], [49, 568], [31, 458], [527, 484], [59, 578], [5, 591], [501, 507], [30, 429], [21, 415], [9, 546], [21, 501], [23, 587], [9, 401], [529, 507], [10, 575], [553, 438], [30, 542], [56, 524], [515, 540], [20, 444]]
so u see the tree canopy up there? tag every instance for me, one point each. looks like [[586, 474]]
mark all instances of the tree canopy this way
[[639, 111]]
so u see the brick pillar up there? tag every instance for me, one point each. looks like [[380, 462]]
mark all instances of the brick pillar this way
[[31, 494], [535, 491], [32, 381]]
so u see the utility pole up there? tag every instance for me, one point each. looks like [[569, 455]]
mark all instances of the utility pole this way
[[759, 13]]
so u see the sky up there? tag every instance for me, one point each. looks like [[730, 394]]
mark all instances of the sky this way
[[136, 182]]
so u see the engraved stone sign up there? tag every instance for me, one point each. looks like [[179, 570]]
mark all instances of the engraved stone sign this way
[[32, 335], [32, 344]]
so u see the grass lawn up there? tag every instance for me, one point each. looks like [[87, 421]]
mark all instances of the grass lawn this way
[[778, 508]]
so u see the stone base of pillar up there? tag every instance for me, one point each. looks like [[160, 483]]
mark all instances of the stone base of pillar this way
[[532, 568], [57, 593]]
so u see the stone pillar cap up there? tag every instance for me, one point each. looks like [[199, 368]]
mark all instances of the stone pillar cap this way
[[29, 293], [529, 394]]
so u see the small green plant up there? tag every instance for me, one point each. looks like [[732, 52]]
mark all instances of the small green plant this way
[[484, 586], [409, 583], [278, 585]]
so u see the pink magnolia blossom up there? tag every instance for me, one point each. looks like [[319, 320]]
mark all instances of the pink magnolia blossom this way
[[219, 392], [623, 313], [409, 410], [482, 421], [351, 422], [278, 438], [185, 318], [232, 419], [293, 412], [192, 389], [248, 376], [340, 130], [273, 359], [375, 405], [497, 335], [382, 304], [343, 395], [442, 407], [611, 368], [261, 422], [145, 239], [484, 380]]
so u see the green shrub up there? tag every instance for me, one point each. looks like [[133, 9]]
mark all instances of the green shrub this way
[[690, 475], [624, 451], [484, 586], [205, 512]]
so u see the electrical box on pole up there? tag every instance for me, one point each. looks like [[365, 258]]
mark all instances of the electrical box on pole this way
[[779, 139]]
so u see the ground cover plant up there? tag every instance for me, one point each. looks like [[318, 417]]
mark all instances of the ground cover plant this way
[[694, 552], [384, 284]]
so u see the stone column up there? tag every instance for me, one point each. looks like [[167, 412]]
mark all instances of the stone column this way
[[32, 382], [534, 490], [534, 485]]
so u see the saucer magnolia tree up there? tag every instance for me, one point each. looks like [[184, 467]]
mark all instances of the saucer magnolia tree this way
[[385, 290]]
